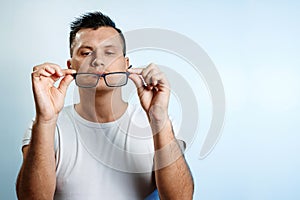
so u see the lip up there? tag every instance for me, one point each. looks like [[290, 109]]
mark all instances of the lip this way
[[94, 72], [100, 73]]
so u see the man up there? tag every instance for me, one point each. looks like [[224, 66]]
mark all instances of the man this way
[[98, 148]]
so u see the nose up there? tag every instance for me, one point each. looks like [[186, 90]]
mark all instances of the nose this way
[[97, 62], [98, 65]]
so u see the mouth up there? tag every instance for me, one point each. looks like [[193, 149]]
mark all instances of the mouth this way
[[93, 72]]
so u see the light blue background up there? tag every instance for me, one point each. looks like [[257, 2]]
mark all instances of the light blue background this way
[[255, 46]]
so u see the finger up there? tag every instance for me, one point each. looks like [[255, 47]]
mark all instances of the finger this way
[[54, 68], [45, 73], [137, 80], [50, 68], [149, 68], [150, 75], [65, 72], [41, 72], [157, 79], [64, 83], [68, 71], [135, 70]]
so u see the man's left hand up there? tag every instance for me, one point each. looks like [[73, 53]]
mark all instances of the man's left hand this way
[[154, 92]]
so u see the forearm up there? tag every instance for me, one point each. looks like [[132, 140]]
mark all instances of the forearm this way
[[173, 177], [37, 177]]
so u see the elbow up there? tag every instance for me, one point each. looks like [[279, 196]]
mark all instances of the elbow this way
[[18, 187]]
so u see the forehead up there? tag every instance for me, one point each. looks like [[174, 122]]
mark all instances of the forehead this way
[[97, 37]]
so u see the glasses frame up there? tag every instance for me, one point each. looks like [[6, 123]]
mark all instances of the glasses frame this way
[[101, 75]]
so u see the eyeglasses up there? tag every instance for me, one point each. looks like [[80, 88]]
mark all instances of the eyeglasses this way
[[112, 79]]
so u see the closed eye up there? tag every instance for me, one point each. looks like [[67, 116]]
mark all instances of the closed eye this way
[[109, 53], [86, 53]]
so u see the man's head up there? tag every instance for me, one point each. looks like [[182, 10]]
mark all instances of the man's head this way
[[97, 46], [92, 20]]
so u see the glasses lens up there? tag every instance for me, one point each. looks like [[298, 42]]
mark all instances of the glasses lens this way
[[116, 79], [87, 80]]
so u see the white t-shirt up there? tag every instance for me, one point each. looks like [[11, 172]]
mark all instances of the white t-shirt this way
[[111, 160]]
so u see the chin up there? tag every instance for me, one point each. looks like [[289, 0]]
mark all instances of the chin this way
[[103, 88]]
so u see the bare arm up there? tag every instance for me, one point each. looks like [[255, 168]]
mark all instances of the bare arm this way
[[172, 174], [173, 177], [37, 179]]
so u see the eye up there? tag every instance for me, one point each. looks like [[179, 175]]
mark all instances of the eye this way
[[86, 53], [108, 53]]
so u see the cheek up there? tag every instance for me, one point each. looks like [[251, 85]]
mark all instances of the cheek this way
[[119, 64], [75, 64], [80, 63]]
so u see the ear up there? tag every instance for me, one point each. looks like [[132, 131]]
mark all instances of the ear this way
[[127, 62], [69, 64]]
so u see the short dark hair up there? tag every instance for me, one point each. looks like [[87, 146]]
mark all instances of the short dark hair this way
[[93, 20]]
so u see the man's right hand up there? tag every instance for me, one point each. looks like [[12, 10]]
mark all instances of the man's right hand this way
[[49, 100]]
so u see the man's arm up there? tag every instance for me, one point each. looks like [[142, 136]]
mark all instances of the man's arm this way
[[37, 178], [172, 174], [173, 177]]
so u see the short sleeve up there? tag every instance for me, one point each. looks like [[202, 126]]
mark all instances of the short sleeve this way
[[27, 136]]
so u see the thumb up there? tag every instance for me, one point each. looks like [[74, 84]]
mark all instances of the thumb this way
[[65, 82], [137, 79]]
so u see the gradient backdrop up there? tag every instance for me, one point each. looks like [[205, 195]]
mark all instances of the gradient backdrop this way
[[255, 46]]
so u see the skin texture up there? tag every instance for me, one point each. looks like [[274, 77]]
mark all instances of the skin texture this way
[[100, 51]]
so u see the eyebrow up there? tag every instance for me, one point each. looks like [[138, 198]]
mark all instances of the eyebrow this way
[[110, 46], [85, 47], [91, 48]]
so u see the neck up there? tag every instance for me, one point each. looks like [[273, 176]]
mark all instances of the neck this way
[[101, 106]]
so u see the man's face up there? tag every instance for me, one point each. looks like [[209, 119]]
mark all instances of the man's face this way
[[98, 51]]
